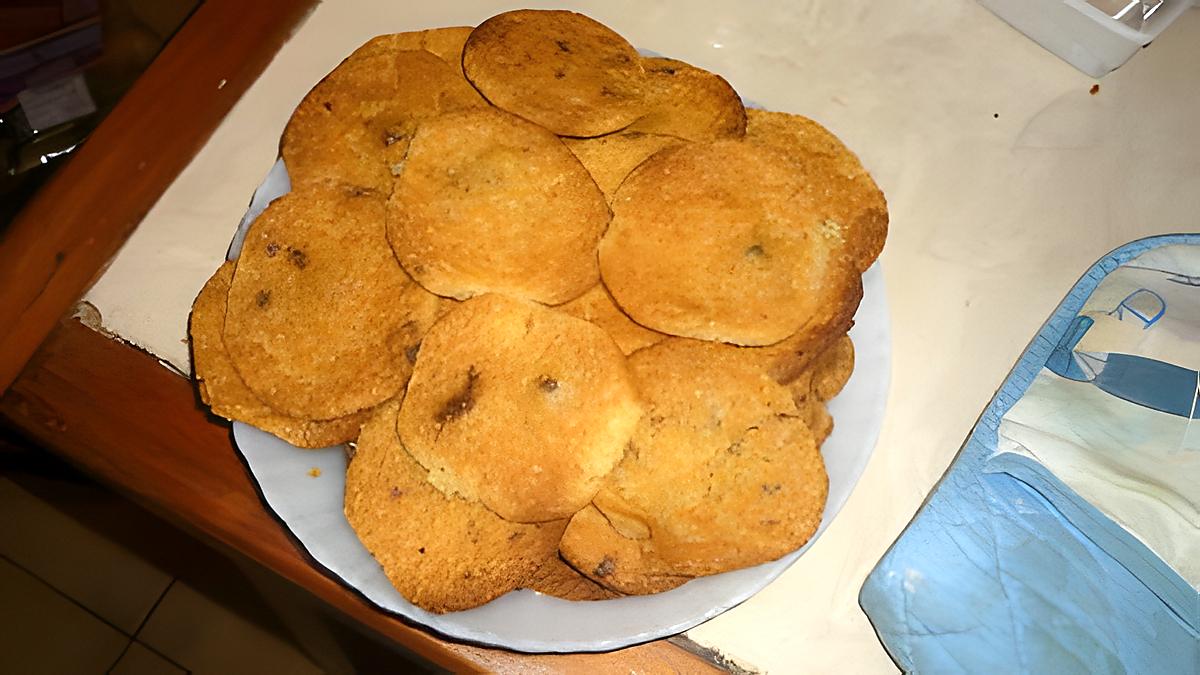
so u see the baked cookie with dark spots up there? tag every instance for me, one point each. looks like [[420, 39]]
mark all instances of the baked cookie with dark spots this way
[[486, 202], [222, 389], [835, 181], [716, 241], [592, 546], [355, 125], [521, 407], [321, 317], [721, 473], [689, 102], [562, 70], [443, 553]]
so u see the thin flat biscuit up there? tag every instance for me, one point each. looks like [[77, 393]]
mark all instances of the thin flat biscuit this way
[[592, 545], [836, 182], [562, 70], [321, 318], [715, 241], [833, 368], [355, 125], [488, 202], [222, 389], [598, 307], [509, 393], [720, 474], [689, 102], [558, 579], [442, 553], [609, 159]]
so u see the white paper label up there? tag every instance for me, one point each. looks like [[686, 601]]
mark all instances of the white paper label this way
[[56, 102]]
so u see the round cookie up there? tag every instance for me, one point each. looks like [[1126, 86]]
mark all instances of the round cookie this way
[[720, 473], [442, 553], [222, 389], [689, 102], [609, 159], [560, 69], [321, 319], [488, 202], [749, 261], [521, 407], [355, 125], [598, 307], [835, 181]]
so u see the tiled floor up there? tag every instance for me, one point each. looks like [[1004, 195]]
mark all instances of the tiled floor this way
[[77, 599]]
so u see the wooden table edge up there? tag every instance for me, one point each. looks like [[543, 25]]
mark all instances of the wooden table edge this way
[[59, 244]]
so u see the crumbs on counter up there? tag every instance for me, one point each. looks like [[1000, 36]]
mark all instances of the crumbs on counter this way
[[1094, 90], [314, 472]]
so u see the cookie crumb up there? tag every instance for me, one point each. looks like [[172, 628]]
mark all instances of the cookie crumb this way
[[1094, 90], [314, 472]]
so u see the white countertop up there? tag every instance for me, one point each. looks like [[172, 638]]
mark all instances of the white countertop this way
[[1005, 179]]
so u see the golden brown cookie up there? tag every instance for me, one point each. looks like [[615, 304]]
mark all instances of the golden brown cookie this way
[[610, 158], [321, 320], [835, 181], [355, 125], [614, 561], [721, 473], [598, 307], [488, 202], [444, 43], [715, 241], [560, 69], [833, 368], [519, 406], [558, 579], [222, 389], [791, 356], [442, 553], [689, 102]]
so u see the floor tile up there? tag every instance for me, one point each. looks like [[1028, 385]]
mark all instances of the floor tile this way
[[204, 637], [101, 574], [43, 632], [139, 660]]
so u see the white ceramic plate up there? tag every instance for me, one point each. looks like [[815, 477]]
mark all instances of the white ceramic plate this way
[[310, 507]]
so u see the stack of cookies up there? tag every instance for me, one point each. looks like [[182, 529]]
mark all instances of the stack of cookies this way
[[578, 310]]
